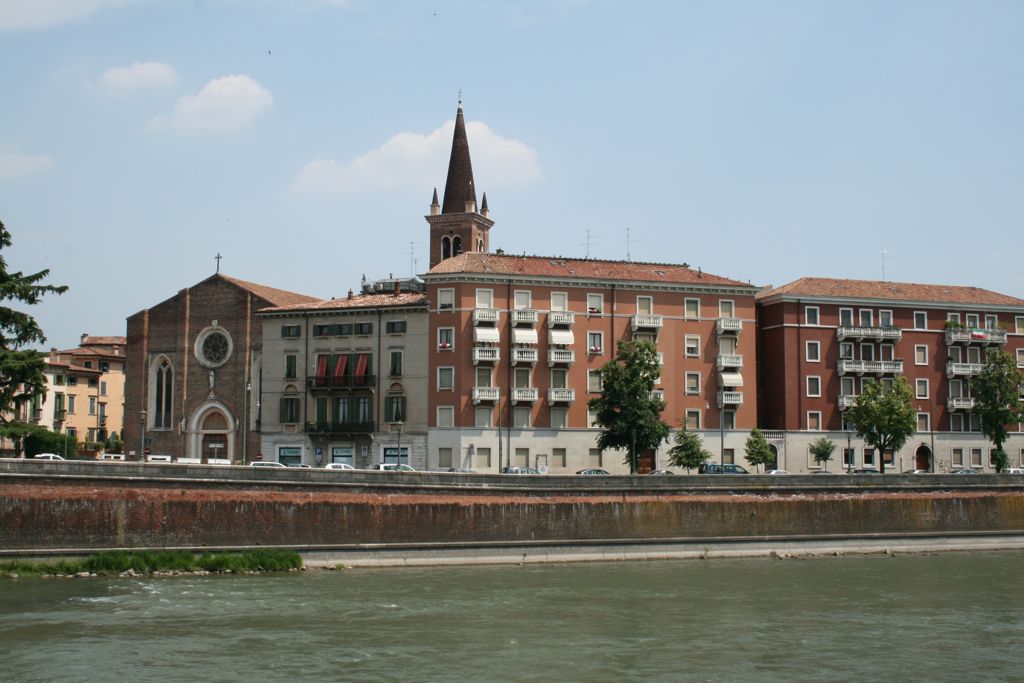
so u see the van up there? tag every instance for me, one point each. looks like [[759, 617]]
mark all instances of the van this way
[[727, 468]]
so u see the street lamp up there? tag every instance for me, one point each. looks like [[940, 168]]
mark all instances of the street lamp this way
[[142, 437], [400, 442]]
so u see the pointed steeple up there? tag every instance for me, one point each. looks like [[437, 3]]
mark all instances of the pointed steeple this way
[[483, 206], [459, 189], [435, 206]]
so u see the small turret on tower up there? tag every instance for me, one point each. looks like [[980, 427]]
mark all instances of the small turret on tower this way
[[435, 206]]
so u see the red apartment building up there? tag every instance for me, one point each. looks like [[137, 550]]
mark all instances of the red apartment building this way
[[821, 339]]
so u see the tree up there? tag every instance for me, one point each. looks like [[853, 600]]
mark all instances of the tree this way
[[627, 411], [996, 391], [21, 369], [822, 450], [44, 441], [757, 449], [689, 451], [884, 417]]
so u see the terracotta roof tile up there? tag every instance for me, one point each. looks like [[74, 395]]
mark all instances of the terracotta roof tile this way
[[359, 301], [558, 267], [891, 291], [278, 297], [104, 341]]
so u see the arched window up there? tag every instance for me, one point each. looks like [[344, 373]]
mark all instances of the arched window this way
[[161, 394], [480, 244], [446, 248], [456, 245]]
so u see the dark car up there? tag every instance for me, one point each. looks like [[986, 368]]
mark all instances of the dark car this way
[[866, 470], [593, 471], [519, 470], [727, 468]]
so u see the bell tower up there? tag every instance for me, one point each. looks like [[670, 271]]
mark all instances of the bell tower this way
[[458, 225]]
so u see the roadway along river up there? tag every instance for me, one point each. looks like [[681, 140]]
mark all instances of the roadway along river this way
[[954, 617]]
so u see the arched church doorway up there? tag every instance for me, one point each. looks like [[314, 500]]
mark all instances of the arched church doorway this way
[[923, 458], [213, 434]]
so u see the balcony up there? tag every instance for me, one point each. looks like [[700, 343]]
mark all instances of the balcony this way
[[960, 403], [561, 395], [876, 367], [103, 421], [485, 394], [730, 398], [525, 395], [962, 369], [774, 434], [340, 427], [486, 354], [859, 332], [845, 401], [976, 335], [524, 316], [523, 355], [343, 382], [556, 318], [729, 360], [646, 321], [485, 315], [58, 415], [561, 357], [656, 394], [725, 325]]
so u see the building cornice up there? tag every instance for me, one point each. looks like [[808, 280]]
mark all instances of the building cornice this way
[[542, 281], [886, 303]]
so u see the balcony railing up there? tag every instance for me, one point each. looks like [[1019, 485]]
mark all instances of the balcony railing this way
[[774, 434], [343, 382], [976, 335], [877, 367], [730, 398], [58, 415], [485, 315], [524, 355], [525, 394], [561, 318], [524, 316], [561, 357], [846, 401], [561, 395], [486, 354], [869, 332], [340, 427], [960, 403], [729, 325], [645, 321], [962, 369], [729, 360], [485, 394]]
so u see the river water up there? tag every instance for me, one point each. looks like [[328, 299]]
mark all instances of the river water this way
[[949, 617]]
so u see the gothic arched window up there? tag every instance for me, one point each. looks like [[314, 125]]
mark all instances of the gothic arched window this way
[[446, 248], [162, 394], [456, 245]]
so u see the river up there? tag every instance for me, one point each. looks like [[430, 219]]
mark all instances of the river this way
[[956, 616]]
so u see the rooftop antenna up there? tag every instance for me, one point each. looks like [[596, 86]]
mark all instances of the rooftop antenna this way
[[588, 242], [628, 242], [217, 258], [412, 259], [885, 255]]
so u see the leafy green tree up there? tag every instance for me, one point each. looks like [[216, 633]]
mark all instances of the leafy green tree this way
[[21, 369], [44, 441], [627, 412], [689, 451], [759, 452], [996, 391], [822, 449], [884, 417]]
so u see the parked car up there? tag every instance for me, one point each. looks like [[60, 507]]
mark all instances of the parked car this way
[[965, 470], [338, 466], [392, 467], [47, 456], [266, 463], [1015, 470], [594, 471], [866, 470], [777, 472], [659, 473], [727, 468], [519, 470], [917, 472], [462, 470]]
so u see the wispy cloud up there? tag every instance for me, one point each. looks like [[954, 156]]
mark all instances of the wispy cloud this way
[[139, 75], [415, 161], [224, 103], [16, 165], [21, 15]]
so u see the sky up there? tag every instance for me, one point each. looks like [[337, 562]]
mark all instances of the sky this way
[[302, 139]]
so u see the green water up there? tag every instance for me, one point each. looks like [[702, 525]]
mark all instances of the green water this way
[[953, 617]]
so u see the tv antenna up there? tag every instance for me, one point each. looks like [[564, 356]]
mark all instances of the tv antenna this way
[[629, 241], [590, 240]]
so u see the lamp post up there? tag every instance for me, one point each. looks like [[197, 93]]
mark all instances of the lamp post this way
[[400, 442], [721, 426], [142, 436]]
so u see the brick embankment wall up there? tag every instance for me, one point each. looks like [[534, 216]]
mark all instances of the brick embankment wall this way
[[188, 507]]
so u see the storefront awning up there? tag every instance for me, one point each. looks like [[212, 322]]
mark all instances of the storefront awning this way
[[561, 337], [524, 335], [731, 379], [486, 334]]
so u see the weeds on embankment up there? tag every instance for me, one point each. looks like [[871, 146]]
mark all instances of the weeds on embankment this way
[[119, 562]]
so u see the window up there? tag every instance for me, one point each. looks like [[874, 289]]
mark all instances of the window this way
[[103, 388], [523, 457], [867, 351], [974, 423], [869, 457], [71, 403], [559, 301], [849, 457], [594, 381], [93, 382], [58, 380], [692, 346], [342, 409], [693, 383], [991, 322], [396, 363], [559, 378], [559, 417], [866, 317], [444, 457], [522, 299], [729, 456], [521, 378], [291, 330], [365, 410], [445, 299], [87, 364], [558, 457], [956, 456], [72, 432], [72, 381], [923, 422], [483, 377], [847, 386], [972, 320], [595, 457], [726, 308], [364, 328], [920, 320], [921, 388], [920, 354], [445, 378], [885, 318], [104, 366], [482, 416], [846, 351], [395, 326], [485, 298], [693, 419], [644, 305], [811, 315], [446, 416], [976, 457], [956, 422], [953, 317], [445, 338], [814, 421], [729, 421], [290, 409], [592, 419], [813, 351], [846, 317], [160, 399], [482, 459], [1018, 324], [289, 366], [727, 344], [813, 386], [595, 304], [595, 342], [885, 351], [521, 417], [92, 405], [90, 434], [692, 309], [1020, 358], [973, 354], [394, 409]]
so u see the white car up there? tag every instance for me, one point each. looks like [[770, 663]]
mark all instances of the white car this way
[[1015, 470], [47, 456], [338, 466], [391, 467], [777, 472], [266, 463]]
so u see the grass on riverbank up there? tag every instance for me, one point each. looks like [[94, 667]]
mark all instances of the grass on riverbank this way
[[115, 562]]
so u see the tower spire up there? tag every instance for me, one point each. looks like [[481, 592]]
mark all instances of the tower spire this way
[[459, 188]]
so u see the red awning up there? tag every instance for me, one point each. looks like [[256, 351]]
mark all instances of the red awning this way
[[339, 367], [321, 370], [361, 364]]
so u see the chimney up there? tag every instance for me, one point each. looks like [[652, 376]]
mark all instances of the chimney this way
[[84, 335], [500, 252], [398, 288], [350, 294]]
